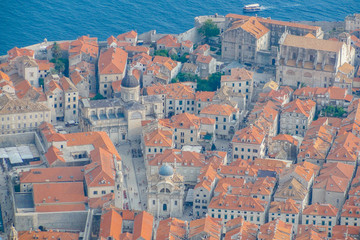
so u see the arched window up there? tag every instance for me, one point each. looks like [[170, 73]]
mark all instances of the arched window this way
[[165, 190], [164, 207]]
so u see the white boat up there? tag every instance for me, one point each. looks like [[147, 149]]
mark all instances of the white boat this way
[[252, 8]]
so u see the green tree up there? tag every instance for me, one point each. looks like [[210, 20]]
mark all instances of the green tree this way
[[161, 52], [212, 84], [56, 51], [98, 97], [209, 29], [59, 66]]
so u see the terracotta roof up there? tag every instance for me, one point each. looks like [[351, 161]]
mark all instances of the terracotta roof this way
[[291, 189], [237, 75], [111, 40], [299, 172], [101, 171], [300, 106], [100, 201], [143, 226], [116, 86], [345, 231], [312, 43], [322, 209], [286, 138], [208, 226], [204, 59], [54, 155], [275, 22], [52, 195], [186, 121], [165, 61], [58, 174], [287, 207], [238, 203], [49, 234], [111, 225], [245, 231], [97, 139], [311, 232], [171, 228], [113, 61], [44, 65], [345, 148], [252, 26], [172, 91], [169, 41], [139, 49], [16, 52], [346, 68], [187, 43], [351, 208], [76, 77], [160, 138], [122, 37], [219, 110], [84, 45], [249, 135], [275, 229]]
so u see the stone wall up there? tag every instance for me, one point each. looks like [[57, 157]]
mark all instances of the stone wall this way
[[53, 220], [330, 29]]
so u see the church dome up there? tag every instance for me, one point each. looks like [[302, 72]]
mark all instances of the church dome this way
[[129, 81], [166, 171]]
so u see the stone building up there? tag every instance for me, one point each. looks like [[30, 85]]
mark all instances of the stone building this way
[[244, 39], [17, 115], [112, 66], [241, 81], [352, 22], [257, 27], [120, 117], [310, 61], [166, 193], [296, 117]]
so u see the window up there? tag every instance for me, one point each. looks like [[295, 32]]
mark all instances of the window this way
[[95, 192], [74, 99], [103, 192], [175, 203]]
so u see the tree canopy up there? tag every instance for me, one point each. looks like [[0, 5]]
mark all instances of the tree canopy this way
[[186, 77], [209, 29], [212, 84], [56, 51]]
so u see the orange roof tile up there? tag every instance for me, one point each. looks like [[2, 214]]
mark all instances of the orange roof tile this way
[[161, 138], [286, 138], [100, 201], [122, 37], [275, 229], [113, 61], [345, 232], [51, 195], [244, 231], [54, 155], [252, 26], [17, 52], [275, 22], [169, 41], [143, 226], [322, 209], [58, 174], [287, 207], [311, 232], [219, 109], [84, 45], [238, 74], [49, 234], [238, 203], [4, 76], [110, 225], [249, 135], [204, 59], [171, 228], [204, 96], [44, 65], [208, 226], [300, 106]]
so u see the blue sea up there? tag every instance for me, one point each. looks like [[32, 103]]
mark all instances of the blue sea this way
[[26, 22]]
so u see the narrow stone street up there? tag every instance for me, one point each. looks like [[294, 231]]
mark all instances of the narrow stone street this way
[[6, 201], [132, 173]]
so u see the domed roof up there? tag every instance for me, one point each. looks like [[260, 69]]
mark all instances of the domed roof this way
[[166, 171], [129, 81]]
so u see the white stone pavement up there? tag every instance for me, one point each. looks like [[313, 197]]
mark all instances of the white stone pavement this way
[[132, 191]]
